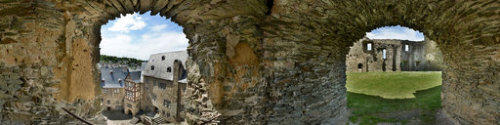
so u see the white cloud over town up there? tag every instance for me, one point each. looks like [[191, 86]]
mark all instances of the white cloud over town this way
[[129, 36], [127, 23], [395, 32]]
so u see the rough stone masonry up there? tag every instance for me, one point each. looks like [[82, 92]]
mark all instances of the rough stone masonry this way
[[251, 61]]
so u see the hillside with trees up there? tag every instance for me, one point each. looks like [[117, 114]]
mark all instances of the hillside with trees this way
[[131, 62]]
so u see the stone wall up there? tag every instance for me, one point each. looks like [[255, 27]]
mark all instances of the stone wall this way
[[419, 56], [159, 95], [113, 98], [414, 58], [251, 61], [170, 94], [433, 57], [360, 59]]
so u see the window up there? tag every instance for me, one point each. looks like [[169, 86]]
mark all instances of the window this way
[[169, 69], [184, 74], [128, 105], [108, 101], [162, 85], [152, 67], [162, 58], [104, 91], [369, 46], [407, 48], [360, 66], [117, 91], [166, 103], [384, 55]]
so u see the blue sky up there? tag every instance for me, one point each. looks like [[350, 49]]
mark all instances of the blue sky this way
[[395, 32], [138, 36]]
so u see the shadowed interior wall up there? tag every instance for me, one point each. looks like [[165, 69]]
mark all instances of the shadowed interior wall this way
[[252, 61]]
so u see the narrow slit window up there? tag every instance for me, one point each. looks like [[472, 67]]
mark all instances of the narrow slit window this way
[[384, 54]]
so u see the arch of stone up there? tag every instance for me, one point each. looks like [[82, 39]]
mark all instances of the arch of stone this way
[[251, 61]]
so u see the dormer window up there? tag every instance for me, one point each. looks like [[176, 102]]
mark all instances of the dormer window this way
[[162, 58], [112, 76], [169, 69], [152, 67], [369, 46]]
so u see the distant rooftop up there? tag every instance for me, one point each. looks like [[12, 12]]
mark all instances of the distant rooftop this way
[[112, 75], [161, 65]]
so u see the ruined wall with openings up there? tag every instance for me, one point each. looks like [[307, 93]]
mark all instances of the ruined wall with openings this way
[[252, 61], [400, 55], [362, 58]]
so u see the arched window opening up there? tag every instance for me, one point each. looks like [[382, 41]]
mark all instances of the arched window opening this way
[[384, 54], [134, 52]]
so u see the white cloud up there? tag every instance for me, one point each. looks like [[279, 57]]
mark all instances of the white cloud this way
[[123, 45], [395, 32], [127, 23], [141, 41], [159, 27]]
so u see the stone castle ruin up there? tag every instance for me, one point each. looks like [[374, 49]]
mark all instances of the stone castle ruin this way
[[250, 61], [368, 55]]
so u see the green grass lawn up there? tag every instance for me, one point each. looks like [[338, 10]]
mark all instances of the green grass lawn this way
[[370, 109], [392, 85]]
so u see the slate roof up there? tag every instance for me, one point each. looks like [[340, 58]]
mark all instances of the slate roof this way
[[160, 65], [111, 75], [136, 73], [135, 76]]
